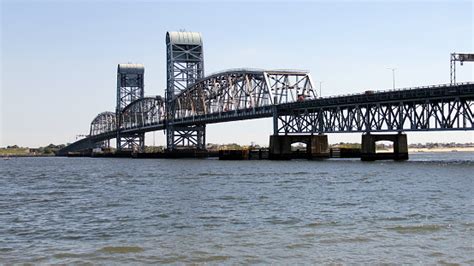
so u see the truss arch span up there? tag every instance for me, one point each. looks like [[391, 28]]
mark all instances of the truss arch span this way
[[143, 112], [103, 123], [240, 89]]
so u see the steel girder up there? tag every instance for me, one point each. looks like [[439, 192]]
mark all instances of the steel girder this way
[[452, 109], [185, 65]]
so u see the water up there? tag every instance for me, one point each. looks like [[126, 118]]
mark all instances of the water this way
[[83, 210]]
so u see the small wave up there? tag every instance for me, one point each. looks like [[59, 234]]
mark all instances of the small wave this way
[[442, 162], [299, 245], [297, 173], [162, 215], [72, 237], [210, 259], [253, 182], [237, 222], [113, 204], [170, 259], [121, 249], [213, 174], [468, 225], [210, 217], [321, 223], [181, 226], [289, 221], [67, 255], [339, 182], [346, 204], [309, 235], [211, 225], [357, 239], [228, 197], [443, 262], [6, 249], [393, 218], [415, 229], [419, 216], [436, 254]]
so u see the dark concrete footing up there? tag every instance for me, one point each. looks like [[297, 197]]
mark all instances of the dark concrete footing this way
[[175, 154], [316, 147], [368, 149]]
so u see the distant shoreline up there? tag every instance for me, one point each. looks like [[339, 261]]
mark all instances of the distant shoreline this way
[[453, 149], [25, 155], [410, 150]]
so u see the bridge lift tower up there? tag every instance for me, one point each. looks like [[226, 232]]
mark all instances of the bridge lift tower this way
[[185, 65], [130, 87], [461, 58]]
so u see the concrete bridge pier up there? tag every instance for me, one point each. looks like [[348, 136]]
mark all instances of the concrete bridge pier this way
[[368, 148], [316, 146]]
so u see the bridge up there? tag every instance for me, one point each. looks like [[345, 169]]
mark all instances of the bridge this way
[[299, 114]]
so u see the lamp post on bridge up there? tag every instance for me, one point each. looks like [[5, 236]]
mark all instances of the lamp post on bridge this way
[[393, 76], [320, 83]]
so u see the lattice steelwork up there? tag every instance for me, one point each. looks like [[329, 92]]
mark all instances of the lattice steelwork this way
[[144, 112], [413, 110], [130, 87], [103, 123], [242, 89], [185, 65]]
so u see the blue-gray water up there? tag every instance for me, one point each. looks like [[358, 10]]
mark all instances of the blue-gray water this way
[[79, 210]]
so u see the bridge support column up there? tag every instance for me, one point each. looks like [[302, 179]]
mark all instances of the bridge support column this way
[[368, 148], [190, 138], [131, 143], [316, 146]]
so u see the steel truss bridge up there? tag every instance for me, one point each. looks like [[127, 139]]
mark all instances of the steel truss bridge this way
[[193, 100]]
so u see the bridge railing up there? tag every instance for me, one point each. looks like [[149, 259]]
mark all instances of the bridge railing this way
[[400, 89]]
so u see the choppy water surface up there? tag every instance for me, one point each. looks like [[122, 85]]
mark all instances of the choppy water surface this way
[[66, 210]]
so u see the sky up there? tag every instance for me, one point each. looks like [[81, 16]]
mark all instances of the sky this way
[[59, 58]]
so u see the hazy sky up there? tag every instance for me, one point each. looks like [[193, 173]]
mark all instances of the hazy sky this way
[[59, 59]]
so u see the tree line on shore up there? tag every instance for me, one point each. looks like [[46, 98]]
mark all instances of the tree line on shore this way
[[51, 149]]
